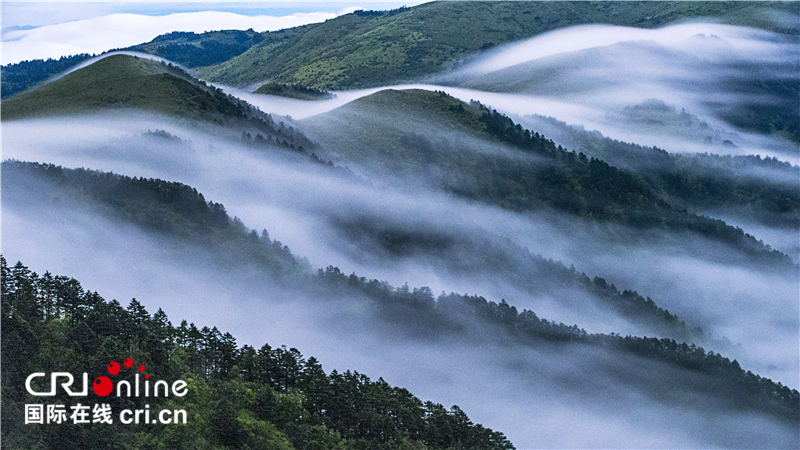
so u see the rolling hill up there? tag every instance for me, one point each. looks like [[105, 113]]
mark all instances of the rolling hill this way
[[762, 190], [192, 50], [267, 398], [374, 48], [473, 242], [124, 83], [180, 212]]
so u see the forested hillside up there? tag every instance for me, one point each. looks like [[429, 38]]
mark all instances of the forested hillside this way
[[192, 50], [239, 397], [766, 190], [376, 48], [20, 76], [178, 211], [343, 53], [538, 173], [438, 234], [664, 194]]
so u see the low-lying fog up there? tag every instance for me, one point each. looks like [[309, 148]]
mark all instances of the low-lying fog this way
[[589, 75], [541, 398], [537, 397], [713, 70], [98, 34], [591, 115], [303, 207], [610, 120]]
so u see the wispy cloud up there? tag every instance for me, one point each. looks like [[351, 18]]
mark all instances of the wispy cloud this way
[[99, 34], [730, 42]]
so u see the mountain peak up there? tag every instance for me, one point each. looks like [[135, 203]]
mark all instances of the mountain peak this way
[[118, 81]]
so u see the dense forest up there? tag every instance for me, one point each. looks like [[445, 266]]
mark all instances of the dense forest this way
[[564, 287], [20, 76], [765, 189], [697, 181], [122, 81], [539, 174], [192, 50], [382, 48], [294, 91], [185, 48], [337, 46], [239, 397], [490, 258]]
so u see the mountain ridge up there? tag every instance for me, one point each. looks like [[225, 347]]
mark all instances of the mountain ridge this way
[[341, 62], [373, 48], [416, 312], [121, 82], [389, 133]]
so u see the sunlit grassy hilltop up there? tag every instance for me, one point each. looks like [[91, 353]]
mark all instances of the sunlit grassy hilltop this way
[[120, 81]]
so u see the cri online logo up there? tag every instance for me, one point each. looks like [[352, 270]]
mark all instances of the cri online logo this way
[[103, 386]]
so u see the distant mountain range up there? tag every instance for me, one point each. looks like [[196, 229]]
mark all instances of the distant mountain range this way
[[179, 213], [421, 184], [404, 135], [375, 48]]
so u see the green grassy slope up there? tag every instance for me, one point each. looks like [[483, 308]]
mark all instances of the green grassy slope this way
[[128, 83], [372, 130], [365, 49], [374, 48], [117, 82]]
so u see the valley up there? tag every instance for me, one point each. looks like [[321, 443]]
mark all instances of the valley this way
[[553, 242]]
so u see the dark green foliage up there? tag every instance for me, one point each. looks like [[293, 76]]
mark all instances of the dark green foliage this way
[[163, 134], [490, 259], [381, 13], [373, 48], [157, 206], [761, 189], [464, 315], [536, 174], [176, 210], [20, 76], [193, 50], [593, 188], [88, 322], [765, 190], [294, 91], [238, 397], [781, 116]]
